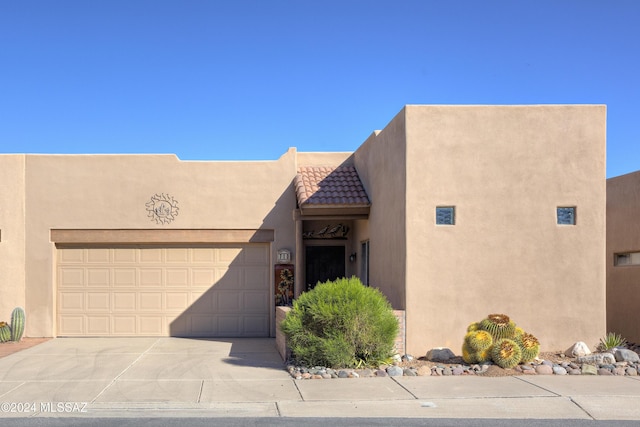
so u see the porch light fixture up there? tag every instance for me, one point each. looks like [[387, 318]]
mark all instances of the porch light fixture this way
[[352, 257]]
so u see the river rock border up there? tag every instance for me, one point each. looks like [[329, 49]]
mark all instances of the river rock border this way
[[621, 362]]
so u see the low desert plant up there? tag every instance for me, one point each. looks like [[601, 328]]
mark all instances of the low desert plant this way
[[341, 323], [497, 338], [5, 332], [611, 340]]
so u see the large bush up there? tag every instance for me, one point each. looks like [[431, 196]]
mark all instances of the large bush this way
[[341, 324]]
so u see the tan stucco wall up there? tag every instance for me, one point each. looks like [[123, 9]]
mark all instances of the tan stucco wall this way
[[110, 192], [324, 159], [12, 242], [623, 235], [380, 162], [506, 169]]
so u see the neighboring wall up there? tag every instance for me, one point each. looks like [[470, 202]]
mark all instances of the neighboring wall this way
[[110, 192], [12, 242], [623, 236], [380, 162], [505, 169]]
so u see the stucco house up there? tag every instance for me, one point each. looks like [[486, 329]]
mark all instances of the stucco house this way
[[453, 212], [623, 255]]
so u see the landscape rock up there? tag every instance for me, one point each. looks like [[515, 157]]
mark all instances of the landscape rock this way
[[631, 372], [409, 372], [440, 354], [624, 355], [589, 370], [366, 373], [457, 370], [579, 349], [394, 371], [619, 371], [544, 370], [381, 373], [598, 359], [604, 371], [559, 370]]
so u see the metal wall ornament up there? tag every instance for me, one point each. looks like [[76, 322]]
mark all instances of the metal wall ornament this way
[[338, 231], [284, 284], [162, 208]]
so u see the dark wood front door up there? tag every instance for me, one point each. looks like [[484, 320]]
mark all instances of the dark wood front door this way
[[324, 263]]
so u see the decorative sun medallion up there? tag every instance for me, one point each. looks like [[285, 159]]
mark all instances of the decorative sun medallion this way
[[162, 208]]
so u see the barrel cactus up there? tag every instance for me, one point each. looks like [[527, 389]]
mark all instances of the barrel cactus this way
[[17, 324], [473, 327], [499, 326], [529, 346], [468, 355], [5, 332], [506, 353], [478, 340], [497, 338]]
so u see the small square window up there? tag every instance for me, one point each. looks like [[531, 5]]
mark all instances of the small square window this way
[[445, 215], [566, 215], [629, 258]]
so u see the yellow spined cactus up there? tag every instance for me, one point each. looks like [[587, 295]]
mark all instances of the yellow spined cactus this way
[[478, 340], [529, 345], [506, 353], [499, 326]]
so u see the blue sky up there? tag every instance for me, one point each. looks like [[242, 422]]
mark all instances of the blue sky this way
[[246, 79]]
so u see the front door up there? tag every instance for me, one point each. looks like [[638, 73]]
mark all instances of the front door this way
[[324, 263]]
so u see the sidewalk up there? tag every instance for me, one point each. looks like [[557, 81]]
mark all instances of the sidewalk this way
[[147, 377]]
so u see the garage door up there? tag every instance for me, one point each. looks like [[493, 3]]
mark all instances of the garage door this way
[[220, 291]]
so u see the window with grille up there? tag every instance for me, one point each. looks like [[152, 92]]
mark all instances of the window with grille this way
[[566, 215], [445, 215]]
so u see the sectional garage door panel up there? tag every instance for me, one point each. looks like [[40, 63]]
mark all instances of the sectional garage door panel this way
[[220, 291]]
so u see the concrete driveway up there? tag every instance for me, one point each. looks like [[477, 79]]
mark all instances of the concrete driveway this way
[[135, 371]]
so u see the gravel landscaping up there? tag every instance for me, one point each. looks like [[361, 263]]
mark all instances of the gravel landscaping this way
[[622, 362]]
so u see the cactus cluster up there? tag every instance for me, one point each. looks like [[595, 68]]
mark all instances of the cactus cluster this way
[[13, 331], [497, 338]]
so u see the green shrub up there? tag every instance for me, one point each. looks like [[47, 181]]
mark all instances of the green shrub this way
[[341, 324], [611, 340]]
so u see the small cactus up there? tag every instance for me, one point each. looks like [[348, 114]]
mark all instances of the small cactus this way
[[478, 340], [499, 326], [468, 355], [5, 332], [529, 345], [473, 327], [17, 324], [506, 353]]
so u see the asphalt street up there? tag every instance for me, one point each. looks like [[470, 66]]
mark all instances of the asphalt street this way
[[307, 422]]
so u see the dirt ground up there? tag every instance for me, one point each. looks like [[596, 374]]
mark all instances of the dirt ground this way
[[10, 347]]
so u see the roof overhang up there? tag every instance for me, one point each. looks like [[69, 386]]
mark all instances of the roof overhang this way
[[331, 191]]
